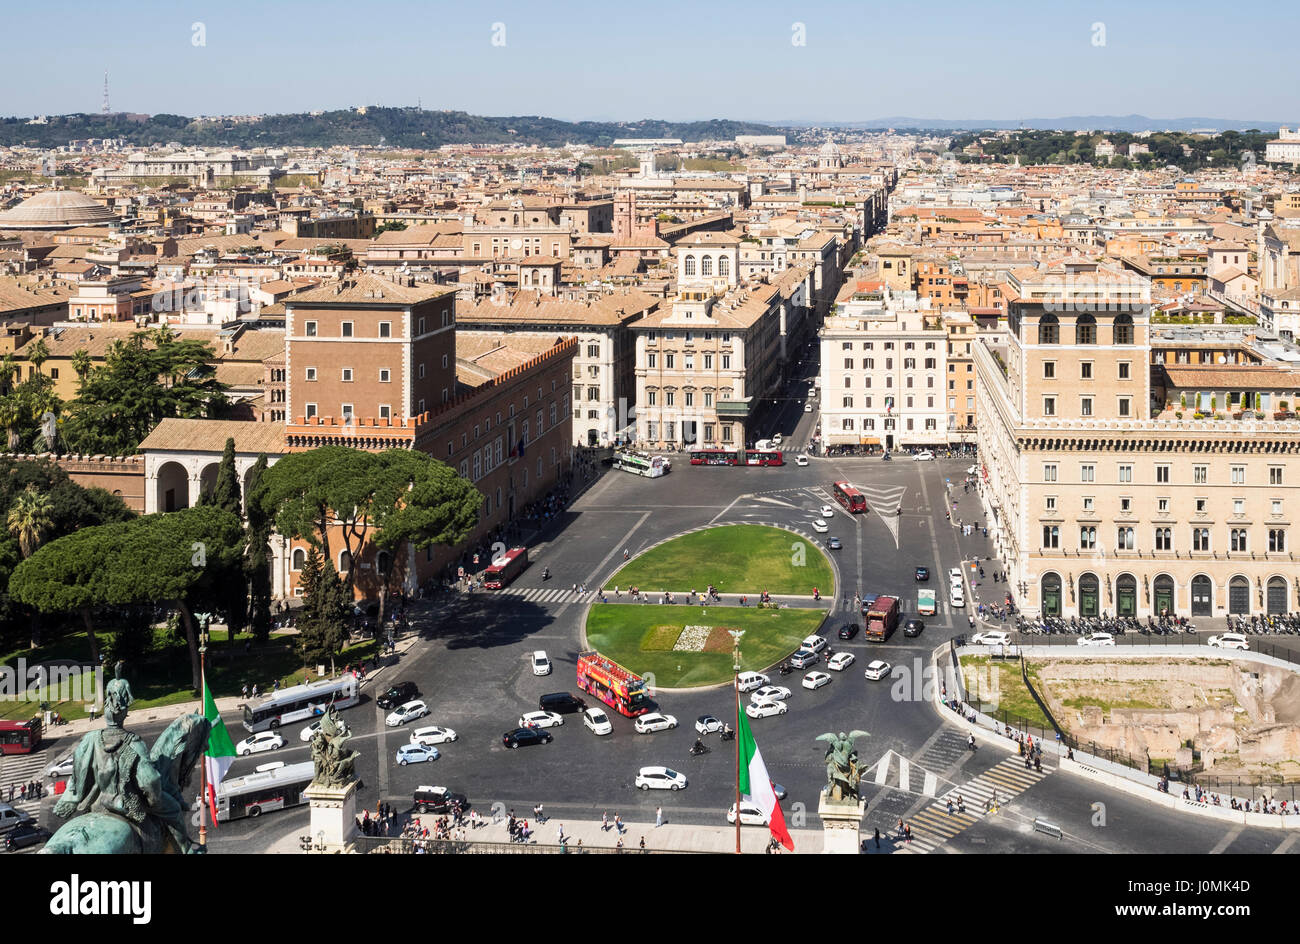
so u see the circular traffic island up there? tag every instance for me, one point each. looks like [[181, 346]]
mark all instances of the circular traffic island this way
[[686, 644], [735, 558]]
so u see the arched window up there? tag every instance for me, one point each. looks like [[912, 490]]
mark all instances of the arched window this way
[[1276, 595], [299, 558], [1162, 590], [384, 562], [1126, 595], [1051, 594], [690, 265], [1123, 329], [706, 265], [1202, 596], [1049, 330], [1085, 330], [1088, 596], [724, 267], [1239, 596], [345, 562]]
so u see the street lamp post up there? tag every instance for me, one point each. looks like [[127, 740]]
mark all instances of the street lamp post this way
[[203, 649]]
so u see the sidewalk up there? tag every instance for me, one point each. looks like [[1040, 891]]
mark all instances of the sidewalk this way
[[680, 599]]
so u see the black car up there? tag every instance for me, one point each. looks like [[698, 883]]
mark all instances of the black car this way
[[438, 800], [913, 627], [848, 630], [562, 703], [524, 737], [24, 835], [922, 574], [399, 694]]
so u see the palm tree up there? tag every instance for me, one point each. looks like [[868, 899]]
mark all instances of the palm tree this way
[[9, 416], [38, 352], [30, 519], [81, 362], [8, 367]]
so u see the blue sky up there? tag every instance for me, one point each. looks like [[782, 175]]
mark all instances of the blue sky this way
[[668, 59]]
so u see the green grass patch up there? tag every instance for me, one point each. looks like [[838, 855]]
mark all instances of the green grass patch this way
[[1000, 681], [622, 631], [744, 558], [660, 638], [1089, 701]]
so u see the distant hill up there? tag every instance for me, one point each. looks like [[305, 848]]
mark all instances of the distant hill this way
[[388, 127], [1131, 123]]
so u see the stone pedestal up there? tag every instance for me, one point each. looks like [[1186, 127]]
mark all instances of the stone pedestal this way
[[333, 816], [841, 825]]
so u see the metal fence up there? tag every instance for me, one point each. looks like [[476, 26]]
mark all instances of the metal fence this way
[[1261, 645], [390, 845]]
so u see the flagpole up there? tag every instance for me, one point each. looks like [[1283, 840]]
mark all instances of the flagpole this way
[[735, 683], [203, 681]]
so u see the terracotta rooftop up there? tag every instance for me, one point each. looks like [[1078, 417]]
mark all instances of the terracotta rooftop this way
[[369, 289], [178, 435]]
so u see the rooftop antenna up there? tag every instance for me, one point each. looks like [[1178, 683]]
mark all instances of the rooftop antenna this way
[[105, 105]]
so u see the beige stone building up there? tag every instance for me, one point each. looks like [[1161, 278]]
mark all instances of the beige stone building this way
[[1100, 500]]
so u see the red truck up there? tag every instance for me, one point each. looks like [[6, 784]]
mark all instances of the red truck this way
[[882, 619]]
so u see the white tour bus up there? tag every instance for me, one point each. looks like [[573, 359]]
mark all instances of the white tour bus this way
[[300, 703], [265, 791]]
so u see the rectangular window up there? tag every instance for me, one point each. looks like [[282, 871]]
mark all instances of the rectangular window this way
[[1125, 406], [1087, 473], [1162, 474], [346, 329], [1049, 406], [1200, 474], [726, 363], [1277, 507], [1200, 539], [669, 398], [345, 409], [1276, 540], [1162, 505], [1051, 503], [1085, 406], [708, 362], [1275, 475], [1238, 475], [650, 360], [1085, 370], [385, 329], [1049, 370], [385, 411], [1124, 370], [347, 375], [1049, 473], [310, 329], [1125, 473], [311, 410], [311, 373], [1238, 506], [669, 362], [385, 375]]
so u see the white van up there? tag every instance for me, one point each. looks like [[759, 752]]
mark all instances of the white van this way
[[764, 444]]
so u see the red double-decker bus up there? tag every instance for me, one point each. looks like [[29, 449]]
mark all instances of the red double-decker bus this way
[[713, 457], [506, 568], [850, 497], [622, 690], [764, 457], [20, 737]]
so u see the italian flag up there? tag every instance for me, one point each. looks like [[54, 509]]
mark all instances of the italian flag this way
[[756, 785], [220, 753]]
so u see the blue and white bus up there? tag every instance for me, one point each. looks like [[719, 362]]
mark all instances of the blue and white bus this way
[[301, 703]]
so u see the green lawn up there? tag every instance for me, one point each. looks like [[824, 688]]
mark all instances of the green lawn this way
[[640, 637], [1003, 678], [739, 558], [163, 678]]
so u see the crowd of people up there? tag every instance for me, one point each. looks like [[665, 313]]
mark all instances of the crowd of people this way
[[33, 789]]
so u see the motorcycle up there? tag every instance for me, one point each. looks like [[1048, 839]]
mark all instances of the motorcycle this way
[[786, 668], [698, 749], [546, 573], [727, 735]]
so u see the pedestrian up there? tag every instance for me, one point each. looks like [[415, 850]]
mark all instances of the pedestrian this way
[[877, 838], [604, 821], [618, 846], [243, 692], [618, 823], [900, 829], [254, 689], [643, 843], [659, 816], [907, 831], [559, 834]]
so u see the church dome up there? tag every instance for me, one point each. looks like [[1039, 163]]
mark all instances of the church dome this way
[[56, 209]]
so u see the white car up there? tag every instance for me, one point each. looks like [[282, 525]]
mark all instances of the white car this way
[[1228, 641], [993, 637], [416, 754], [820, 526], [841, 661], [777, 440], [766, 709], [877, 669], [750, 815], [828, 511], [813, 643], [60, 768], [433, 734], [266, 741], [815, 680], [923, 456], [541, 664], [707, 724], [955, 576], [1096, 639], [748, 681], [660, 778], [408, 712], [654, 722], [540, 719], [309, 732], [807, 407], [956, 598], [771, 693], [597, 721], [801, 459]]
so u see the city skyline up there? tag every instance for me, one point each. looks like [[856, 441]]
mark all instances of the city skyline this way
[[1003, 62]]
